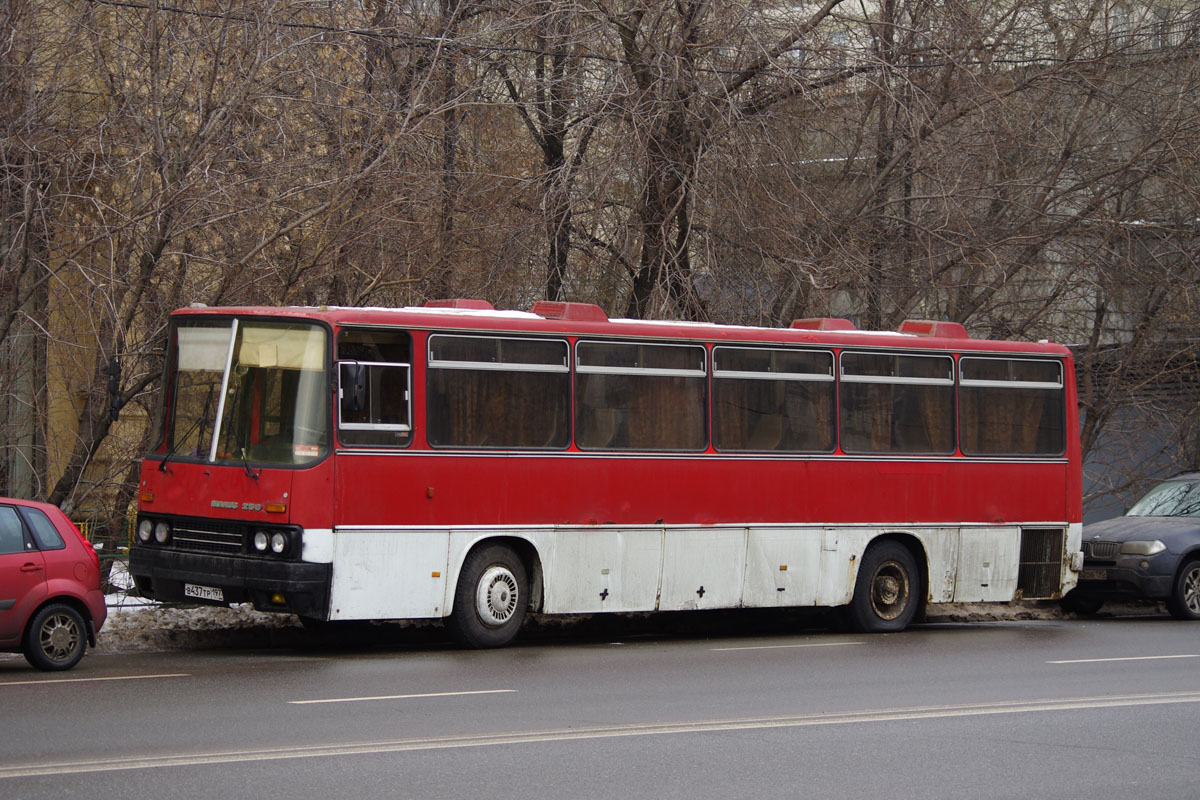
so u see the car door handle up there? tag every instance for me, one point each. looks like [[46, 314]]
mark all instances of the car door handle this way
[[31, 567]]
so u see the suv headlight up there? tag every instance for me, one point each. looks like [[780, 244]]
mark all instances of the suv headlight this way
[[1142, 548]]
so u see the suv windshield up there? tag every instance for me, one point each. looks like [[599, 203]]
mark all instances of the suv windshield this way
[[1170, 499], [247, 392]]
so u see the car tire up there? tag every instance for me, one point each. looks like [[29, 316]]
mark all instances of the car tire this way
[[1184, 602], [490, 598], [888, 592], [56, 638], [1086, 605]]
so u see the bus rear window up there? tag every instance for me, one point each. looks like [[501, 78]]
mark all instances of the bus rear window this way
[[1011, 407], [632, 396]]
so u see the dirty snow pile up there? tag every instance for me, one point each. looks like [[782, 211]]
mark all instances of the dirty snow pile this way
[[135, 623]]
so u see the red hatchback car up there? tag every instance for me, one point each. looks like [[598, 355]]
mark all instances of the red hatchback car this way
[[51, 605]]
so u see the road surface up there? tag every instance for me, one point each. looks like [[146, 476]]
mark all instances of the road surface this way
[[1047, 709]]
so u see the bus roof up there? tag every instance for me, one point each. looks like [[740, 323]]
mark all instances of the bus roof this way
[[589, 320]]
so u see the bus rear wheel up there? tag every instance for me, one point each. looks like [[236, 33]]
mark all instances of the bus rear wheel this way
[[490, 599], [887, 594]]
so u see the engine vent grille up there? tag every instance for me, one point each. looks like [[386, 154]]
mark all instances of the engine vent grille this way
[[1040, 573]]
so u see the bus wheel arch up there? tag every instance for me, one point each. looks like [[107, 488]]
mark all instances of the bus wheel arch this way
[[889, 589], [497, 584]]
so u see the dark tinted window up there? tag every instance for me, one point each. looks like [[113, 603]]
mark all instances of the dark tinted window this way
[[772, 400], [631, 396], [897, 403], [1011, 406], [488, 391], [44, 532], [12, 540]]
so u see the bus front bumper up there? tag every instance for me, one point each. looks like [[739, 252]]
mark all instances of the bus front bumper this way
[[168, 575]]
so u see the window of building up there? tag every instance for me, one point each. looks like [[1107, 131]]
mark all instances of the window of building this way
[[894, 403], [632, 396], [374, 387], [772, 400], [491, 391], [1010, 406]]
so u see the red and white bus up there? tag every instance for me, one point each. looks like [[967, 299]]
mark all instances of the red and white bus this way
[[461, 462]]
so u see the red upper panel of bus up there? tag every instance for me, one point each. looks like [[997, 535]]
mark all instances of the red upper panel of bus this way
[[590, 320]]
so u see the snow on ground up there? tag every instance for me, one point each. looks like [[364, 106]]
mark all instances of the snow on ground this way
[[135, 623]]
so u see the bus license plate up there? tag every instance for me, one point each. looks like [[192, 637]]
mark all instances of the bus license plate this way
[[1093, 575], [203, 592]]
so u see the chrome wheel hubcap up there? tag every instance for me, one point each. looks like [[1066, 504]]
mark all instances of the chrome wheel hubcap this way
[[496, 596], [60, 637]]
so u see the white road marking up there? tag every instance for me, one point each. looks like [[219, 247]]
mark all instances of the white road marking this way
[[398, 697], [1124, 658], [783, 646], [92, 680], [118, 763]]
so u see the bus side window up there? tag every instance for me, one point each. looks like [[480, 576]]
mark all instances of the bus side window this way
[[497, 392], [897, 403], [638, 396], [1011, 407], [768, 400], [374, 387]]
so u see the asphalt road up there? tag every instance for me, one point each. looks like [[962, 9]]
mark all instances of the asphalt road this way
[[1047, 709]]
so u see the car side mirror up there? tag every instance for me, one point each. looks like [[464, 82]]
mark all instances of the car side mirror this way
[[353, 387]]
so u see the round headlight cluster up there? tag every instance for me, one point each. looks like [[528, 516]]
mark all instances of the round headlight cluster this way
[[148, 530], [274, 542]]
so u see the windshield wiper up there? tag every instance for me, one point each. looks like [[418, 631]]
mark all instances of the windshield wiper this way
[[246, 464], [162, 465]]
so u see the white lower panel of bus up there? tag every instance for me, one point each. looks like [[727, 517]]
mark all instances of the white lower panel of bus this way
[[410, 573]]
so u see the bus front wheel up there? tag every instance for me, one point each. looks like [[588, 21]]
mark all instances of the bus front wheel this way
[[887, 593], [490, 599]]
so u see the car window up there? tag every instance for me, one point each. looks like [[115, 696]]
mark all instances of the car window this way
[[11, 538], [1170, 499], [44, 532]]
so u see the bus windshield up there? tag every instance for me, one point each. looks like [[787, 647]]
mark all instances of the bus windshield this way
[[247, 392]]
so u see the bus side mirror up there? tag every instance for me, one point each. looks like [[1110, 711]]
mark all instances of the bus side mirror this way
[[353, 385]]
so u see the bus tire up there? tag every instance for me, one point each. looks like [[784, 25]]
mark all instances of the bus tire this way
[[887, 594], [1184, 602], [490, 599], [56, 638]]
